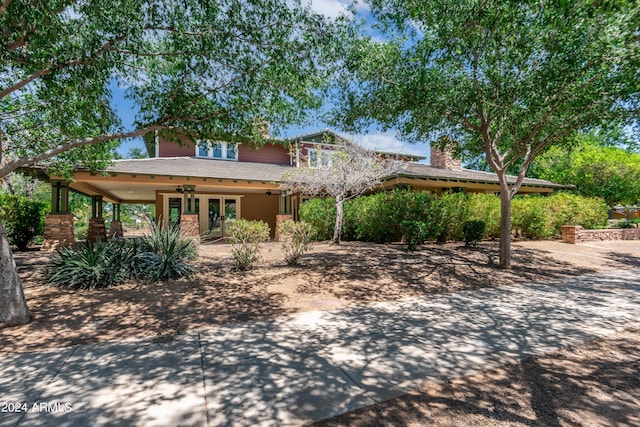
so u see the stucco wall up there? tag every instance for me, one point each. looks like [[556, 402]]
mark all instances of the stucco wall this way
[[259, 206]]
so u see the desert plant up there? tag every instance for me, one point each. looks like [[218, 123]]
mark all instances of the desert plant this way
[[164, 254], [296, 239], [89, 266], [473, 231], [246, 238], [23, 219], [415, 233]]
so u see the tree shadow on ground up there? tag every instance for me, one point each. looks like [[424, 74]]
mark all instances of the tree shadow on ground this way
[[383, 272], [330, 276], [596, 383]]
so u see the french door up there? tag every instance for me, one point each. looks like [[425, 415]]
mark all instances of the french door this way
[[216, 213]]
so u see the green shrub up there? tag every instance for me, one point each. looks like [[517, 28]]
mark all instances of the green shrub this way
[[414, 233], [371, 217], [246, 238], [529, 219], [163, 254], [321, 214], [450, 211], [486, 208], [473, 231], [89, 266], [23, 219], [296, 239]]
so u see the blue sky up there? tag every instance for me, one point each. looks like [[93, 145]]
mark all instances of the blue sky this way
[[374, 138]]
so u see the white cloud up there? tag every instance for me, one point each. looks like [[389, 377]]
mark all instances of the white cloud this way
[[387, 141], [334, 8], [330, 8]]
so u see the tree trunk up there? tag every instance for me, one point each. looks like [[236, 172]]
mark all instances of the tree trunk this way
[[337, 232], [13, 307], [505, 226]]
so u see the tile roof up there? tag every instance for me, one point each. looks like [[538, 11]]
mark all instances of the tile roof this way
[[225, 169], [199, 168], [419, 170]]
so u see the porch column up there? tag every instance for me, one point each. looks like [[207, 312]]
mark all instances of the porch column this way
[[58, 225], [97, 230], [115, 229], [189, 223]]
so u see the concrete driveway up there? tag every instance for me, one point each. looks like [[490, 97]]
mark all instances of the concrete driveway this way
[[310, 366]]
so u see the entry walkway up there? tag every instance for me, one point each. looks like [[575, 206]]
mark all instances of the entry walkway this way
[[310, 366]]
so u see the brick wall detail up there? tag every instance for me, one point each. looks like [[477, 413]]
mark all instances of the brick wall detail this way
[[58, 231], [576, 234], [443, 159]]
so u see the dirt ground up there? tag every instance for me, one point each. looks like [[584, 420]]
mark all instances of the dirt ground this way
[[573, 387]]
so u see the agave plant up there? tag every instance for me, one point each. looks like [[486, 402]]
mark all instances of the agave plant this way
[[164, 254], [90, 266]]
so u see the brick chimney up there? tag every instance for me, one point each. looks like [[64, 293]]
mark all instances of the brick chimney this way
[[444, 159]]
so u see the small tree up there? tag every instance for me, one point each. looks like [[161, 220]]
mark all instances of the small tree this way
[[345, 172]]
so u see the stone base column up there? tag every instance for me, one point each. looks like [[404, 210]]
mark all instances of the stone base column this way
[[97, 230], [279, 220], [115, 230], [569, 233], [58, 231], [190, 226]]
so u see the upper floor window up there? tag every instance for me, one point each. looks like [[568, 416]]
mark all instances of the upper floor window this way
[[318, 158], [217, 150]]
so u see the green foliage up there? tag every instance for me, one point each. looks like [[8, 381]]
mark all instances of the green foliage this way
[[379, 217], [596, 170], [23, 219], [208, 69], [529, 219], [473, 231], [321, 214], [246, 238], [414, 233], [486, 208], [539, 217], [296, 238], [451, 210], [164, 254], [506, 80], [90, 266]]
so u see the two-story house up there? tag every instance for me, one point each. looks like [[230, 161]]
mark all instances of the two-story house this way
[[203, 185]]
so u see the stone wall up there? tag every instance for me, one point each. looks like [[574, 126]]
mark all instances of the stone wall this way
[[58, 231], [576, 234], [189, 226], [97, 230], [115, 230]]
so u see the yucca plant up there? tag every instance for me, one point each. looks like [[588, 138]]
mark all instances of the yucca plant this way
[[164, 254], [90, 266]]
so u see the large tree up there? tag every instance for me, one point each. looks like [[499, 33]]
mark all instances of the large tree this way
[[504, 78], [204, 69]]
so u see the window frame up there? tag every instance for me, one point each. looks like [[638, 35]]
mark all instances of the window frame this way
[[225, 149]]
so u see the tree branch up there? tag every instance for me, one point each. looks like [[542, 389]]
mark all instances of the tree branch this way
[[15, 164]]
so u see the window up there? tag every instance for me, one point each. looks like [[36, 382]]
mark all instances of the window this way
[[217, 150], [319, 158]]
